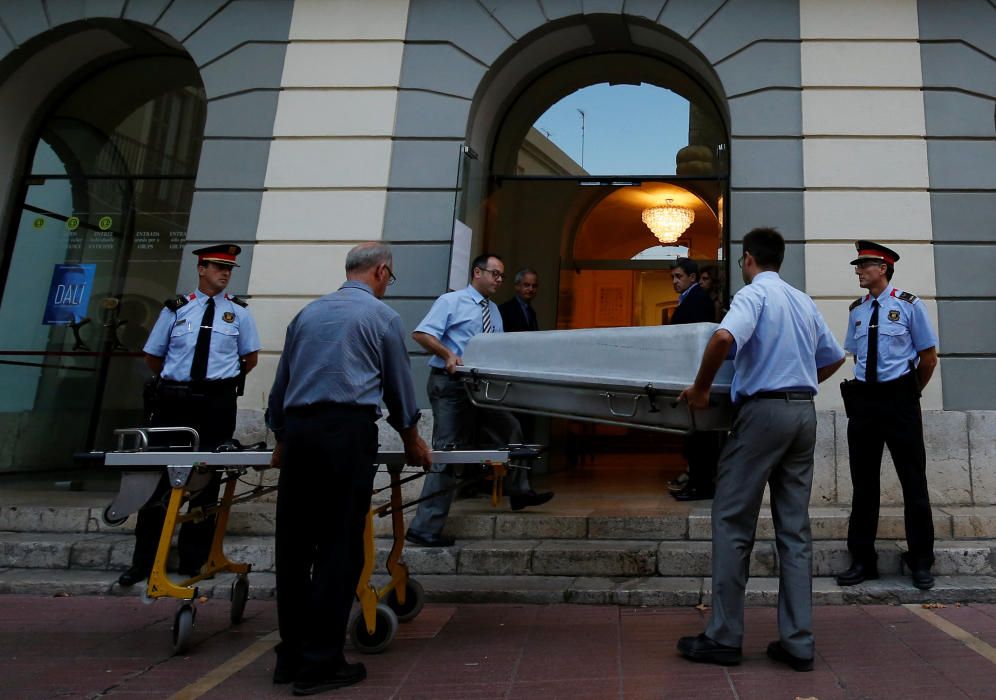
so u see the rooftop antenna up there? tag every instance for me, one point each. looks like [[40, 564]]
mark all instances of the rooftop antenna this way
[[581, 112]]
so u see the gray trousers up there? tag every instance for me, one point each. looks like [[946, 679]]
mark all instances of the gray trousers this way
[[771, 443], [458, 424]]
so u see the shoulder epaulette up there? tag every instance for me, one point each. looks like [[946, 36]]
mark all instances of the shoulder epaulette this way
[[855, 304], [907, 297], [175, 303], [237, 300]]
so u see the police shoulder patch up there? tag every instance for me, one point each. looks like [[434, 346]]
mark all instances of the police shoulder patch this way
[[176, 302], [236, 300], [855, 304], [907, 297]]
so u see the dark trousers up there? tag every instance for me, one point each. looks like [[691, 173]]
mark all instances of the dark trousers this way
[[878, 416], [326, 483], [701, 450], [211, 412]]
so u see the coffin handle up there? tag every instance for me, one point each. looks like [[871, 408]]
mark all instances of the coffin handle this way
[[636, 400], [496, 399]]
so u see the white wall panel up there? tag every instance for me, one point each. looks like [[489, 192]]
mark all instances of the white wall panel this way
[[349, 20], [830, 274], [362, 64], [864, 163], [298, 269], [837, 215], [858, 19], [863, 112], [272, 317], [336, 113], [322, 215], [328, 163], [860, 64]]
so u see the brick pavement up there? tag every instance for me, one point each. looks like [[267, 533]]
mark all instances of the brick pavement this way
[[97, 647]]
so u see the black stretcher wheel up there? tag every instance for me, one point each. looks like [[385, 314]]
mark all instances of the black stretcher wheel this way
[[383, 634], [183, 627], [109, 521], [240, 594], [414, 600]]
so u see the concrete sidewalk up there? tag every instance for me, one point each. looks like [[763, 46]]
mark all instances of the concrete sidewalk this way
[[95, 647]]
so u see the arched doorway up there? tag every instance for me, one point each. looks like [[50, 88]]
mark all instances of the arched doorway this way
[[566, 199], [93, 248]]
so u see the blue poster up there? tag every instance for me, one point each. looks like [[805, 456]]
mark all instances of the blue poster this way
[[69, 293]]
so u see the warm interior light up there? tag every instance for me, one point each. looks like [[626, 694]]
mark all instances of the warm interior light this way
[[668, 222]]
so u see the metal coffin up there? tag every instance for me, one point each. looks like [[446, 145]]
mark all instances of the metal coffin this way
[[622, 376]]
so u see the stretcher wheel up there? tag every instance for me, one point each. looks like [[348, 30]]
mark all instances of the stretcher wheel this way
[[240, 594], [383, 635], [183, 627], [109, 521], [414, 600]]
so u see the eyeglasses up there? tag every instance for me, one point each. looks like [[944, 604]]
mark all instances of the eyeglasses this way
[[740, 261], [864, 264], [393, 279], [497, 274]]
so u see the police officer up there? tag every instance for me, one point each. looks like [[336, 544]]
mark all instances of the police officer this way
[[895, 353], [200, 349]]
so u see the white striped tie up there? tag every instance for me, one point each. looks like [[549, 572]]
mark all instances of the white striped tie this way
[[486, 316]]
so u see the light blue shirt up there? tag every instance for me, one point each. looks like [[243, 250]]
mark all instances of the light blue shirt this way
[[455, 318], [781, 338], [904, 330], [174, 337], [347, 347]]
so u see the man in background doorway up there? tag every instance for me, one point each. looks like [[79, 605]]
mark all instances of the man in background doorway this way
[[517, 313], [701, 449]]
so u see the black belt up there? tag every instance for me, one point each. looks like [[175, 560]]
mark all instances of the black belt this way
[[783, 395], [207, 387]]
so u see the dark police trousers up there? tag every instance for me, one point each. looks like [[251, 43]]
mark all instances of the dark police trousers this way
[[209, 408], [326, 483], [887, 413]]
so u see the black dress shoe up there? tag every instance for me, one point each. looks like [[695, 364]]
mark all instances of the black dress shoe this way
[[707, 651], [344, 675], [430, 540], [856, 574], [132, 576], [920, 573], [691, 493], [777, 652], [525, 499]]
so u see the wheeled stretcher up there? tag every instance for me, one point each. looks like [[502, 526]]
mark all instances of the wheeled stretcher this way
[[189, 470], [622, 376]]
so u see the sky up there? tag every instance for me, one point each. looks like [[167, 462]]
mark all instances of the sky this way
[[628, 129]]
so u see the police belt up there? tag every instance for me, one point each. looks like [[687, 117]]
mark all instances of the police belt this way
[[905, 385], [169, 389]]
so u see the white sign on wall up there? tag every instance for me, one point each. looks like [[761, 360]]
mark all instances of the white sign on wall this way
[[460, 255]]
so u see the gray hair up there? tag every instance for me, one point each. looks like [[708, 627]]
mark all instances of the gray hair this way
[[523, 272], [368, 255]]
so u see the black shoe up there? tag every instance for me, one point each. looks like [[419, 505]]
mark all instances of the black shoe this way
[[777, 652], [347, 674], [691, 493], [430, 540], [707, 651], [132, 576], [525, 499], [920, 573], [678, 484], [285, 671], [857, 573]]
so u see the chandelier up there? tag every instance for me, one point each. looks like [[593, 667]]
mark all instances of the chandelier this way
[[668, 222]]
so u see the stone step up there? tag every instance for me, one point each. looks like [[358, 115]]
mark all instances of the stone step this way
[[635, 591], [554, 557], [473, 519]]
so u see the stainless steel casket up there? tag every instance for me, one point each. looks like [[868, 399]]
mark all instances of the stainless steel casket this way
[[621, 376]]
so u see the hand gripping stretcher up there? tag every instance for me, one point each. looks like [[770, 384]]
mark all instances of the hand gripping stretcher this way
[[374, 625]]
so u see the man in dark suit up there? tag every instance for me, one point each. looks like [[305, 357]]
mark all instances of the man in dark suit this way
[[702, 448], [517, 313]]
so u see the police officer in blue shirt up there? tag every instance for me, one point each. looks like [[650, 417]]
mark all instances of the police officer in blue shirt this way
[[895, 353], [199, 350]]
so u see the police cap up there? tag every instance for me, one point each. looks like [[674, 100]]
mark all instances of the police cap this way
[[868, 250], [221, 254]]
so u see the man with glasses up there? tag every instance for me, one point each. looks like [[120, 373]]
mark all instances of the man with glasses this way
[[895, 353], [453, 320], [344, 353]]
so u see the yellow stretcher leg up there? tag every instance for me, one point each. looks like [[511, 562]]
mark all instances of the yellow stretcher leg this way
[[365, 591], [395, 567], [159, 586]]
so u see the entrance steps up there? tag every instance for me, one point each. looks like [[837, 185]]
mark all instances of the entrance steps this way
[[584, 556]]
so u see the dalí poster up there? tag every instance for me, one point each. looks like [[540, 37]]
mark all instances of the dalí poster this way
[[69, 293]]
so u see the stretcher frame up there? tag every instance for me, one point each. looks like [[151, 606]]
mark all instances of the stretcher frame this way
[[188, 470]]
